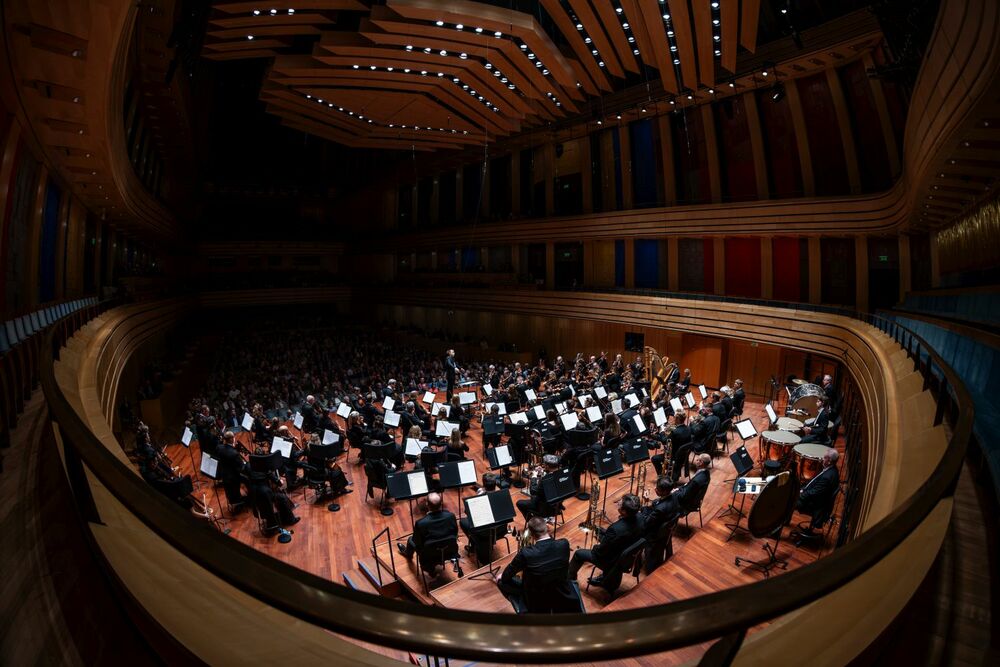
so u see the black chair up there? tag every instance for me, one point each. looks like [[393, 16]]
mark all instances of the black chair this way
[[438, 552], [630, 561], [660, 547], [493, 535], [800, 535], [683, 457], [375, 472], [695, 507]]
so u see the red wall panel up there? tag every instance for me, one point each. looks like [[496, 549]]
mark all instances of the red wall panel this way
[[743, 267], [786, 268]]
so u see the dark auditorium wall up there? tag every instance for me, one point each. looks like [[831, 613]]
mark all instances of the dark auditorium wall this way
[[969, 250]]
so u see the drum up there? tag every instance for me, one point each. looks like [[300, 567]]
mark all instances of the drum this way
[[789, 424], [808, 460], [777, 445], [802, 401]]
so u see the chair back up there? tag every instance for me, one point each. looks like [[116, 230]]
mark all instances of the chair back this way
[[630, 559], [437, 552], [376, 475]]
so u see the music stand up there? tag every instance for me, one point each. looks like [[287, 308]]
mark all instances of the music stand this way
[[455, 475], [407, 486], [502, 458], [768, 515], [495, 505], [326, 453], [636, 451], [557, 487], [493, 426], [607, 463], [186, 441]]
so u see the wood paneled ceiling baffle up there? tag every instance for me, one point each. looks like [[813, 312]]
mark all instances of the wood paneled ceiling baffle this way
[[425, 74]]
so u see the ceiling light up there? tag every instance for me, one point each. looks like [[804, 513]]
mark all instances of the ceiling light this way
[[250, 37], [715, 21], [716, 37], [732, 84], [439, 23], [427, 49], [489, 65], [372, 67], [409, 47], [625, 25], [618, 10], [309, 97], [764, 73], [784, 11], [644, 110], [715, 5], [711, 91], [423, 72], [600, 122], [579, 26], [666, 17], [503, 80], [635, 52], [291, 11], [600, 63], [455, 80], [256, 12], [498, 34], [355, 66], [778, 92], [587, 40], [406, 70], [690, 96], [718, 52], [273, 12], [670, 33], [459, 26], [479, 29], [463, 56], [631, 40], [545, 72], [389, 69], [677, 61], [443, 52], [440, 73]]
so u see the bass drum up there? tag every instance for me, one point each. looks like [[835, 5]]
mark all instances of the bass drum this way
[[802, 401]]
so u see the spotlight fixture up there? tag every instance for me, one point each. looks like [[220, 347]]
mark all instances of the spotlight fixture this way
[[250, 37], [439, 23], [778, 92]]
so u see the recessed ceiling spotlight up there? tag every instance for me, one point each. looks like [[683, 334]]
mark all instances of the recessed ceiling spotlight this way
[[439, 23], [406, 70], [600, 63], [764, 73], [389, 69], [427, 49], [459, 26], [372, 67], [443, 52], [250, 37], [291, 11], [479, 29], [355, 66], [273, 12], [256, 12], [666, 17], [618, 116], [498, 34], [635, 52], [690, 96]]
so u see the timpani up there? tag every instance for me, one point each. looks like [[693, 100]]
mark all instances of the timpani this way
[[789, 424], [777, 445], [808, 460]]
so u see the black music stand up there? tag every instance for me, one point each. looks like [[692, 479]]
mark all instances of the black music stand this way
[[400, 487], [747, 431], [636, 452], [493, 425], [556, 488], [451, 476], [493, 458], [326, 453], [502, 507], [743, 463], [607, 463]]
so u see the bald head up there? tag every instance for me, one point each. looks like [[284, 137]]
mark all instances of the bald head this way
[[433, 502]]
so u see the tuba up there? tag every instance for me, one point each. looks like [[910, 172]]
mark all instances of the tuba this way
[[659, 369]]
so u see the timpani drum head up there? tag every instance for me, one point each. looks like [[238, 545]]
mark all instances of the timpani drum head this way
[[773, 506]]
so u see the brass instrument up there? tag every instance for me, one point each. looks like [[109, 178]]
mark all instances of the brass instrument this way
[[668, 459], [526, 540], [595, 497], [659, 369], [640, 481]]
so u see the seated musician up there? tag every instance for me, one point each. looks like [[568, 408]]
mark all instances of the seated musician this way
[[272, 504], [612, 432], [704, 430], [543, 587], [437, 524], [324, 422], [456, 447], [481, 540], [156, 470], [663, 511], [357, 433], [817, 496], [719, 408], [493, 439], [739, 397], [690, 495], [329, 470], [409, 419], [290, 470], [616, 539], [231, 470], [684, 384], [817, 431], [458, 414], [536, 505]]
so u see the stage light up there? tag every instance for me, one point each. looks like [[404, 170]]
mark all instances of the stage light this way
[[459, 26], [478, 30], [250, 37], [498, 34], [439, 23], [778, 92], [291, 12], [256, 12]]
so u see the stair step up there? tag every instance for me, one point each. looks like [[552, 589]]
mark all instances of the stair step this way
[[357, 580], [389, 586]]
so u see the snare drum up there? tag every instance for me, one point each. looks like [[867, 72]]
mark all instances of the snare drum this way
[[789, 424], [808, 460], [777, 445]]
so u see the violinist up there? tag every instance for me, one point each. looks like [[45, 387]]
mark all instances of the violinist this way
[[231, 469], [536, 505], [290, 468], [327, 470], [270, 502]]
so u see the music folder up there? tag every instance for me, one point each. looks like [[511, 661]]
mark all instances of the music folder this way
[[247, 422], [457, 473], [391, 418], [297, 420], [690, 399], [282, 446], [530, 394], [487, 389], [518, 417], [746, 429], [501, 407], [638, 425], [388, 403], [344, 410], [186, 438], [558, 486], [770, 413], [608, 463], [265, 462], [429, 397], [561, 408], [537, 412], [635, 450], [489, 509], [594, 413], [569, 420], [675, 403], [600, 392], [493, 425], [585, 400], [209, 466], [444, 429], [702, 391], [329, 437], [414, 446], [660, 415], [632, 400], [407, 485], [467, 397], [436, 409], [500, 457]]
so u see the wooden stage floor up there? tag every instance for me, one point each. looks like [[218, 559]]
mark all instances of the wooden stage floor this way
[[330, 544]]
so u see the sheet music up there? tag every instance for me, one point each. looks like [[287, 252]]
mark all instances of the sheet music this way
[[632, 400], [209, 466], [329, 437], [645, 394], [444, 428], [297, 420], [594, 413], [640, 424], [417, 482], [429, 396], [467, 397], [480, 511], [388, 403], [660, 415], [391, 419], [600, 392], [414, 446], [690, 399], [561, 407], [530, 394], [436, 409], [502, 408], [503, 455], [518, 418], [675, 403], [488, 388], [467, 472], [585, 400], [569, 420], [616, 406], [539, 412], [283, 446], [186, 438], [702, 391], [770, 413], [247, 422], [746, 429], [344, 410]]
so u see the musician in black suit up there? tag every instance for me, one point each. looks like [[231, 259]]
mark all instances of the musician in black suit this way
[[437, 524], [543, 587], [816, 432], [450, 371], [679, 436], [739, 397], [308, 412], [690, 495], [481, 539], [817, 496], [675, 376], [830, 391], [230, 470], [617, 538], [663, 511], [536, 505], [719, 408], [703, 431]]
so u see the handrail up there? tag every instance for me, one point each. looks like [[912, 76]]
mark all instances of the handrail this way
[[529, 638]]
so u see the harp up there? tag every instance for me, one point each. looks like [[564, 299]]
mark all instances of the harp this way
[[658, 368]]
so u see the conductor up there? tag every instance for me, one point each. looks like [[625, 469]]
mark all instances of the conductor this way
[[543, 587], [450, 371]]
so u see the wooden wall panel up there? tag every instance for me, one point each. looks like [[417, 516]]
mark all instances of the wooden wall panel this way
[[754, 363], [703, 355]]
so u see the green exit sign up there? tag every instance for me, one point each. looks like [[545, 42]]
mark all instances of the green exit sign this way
[[883, 258]]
